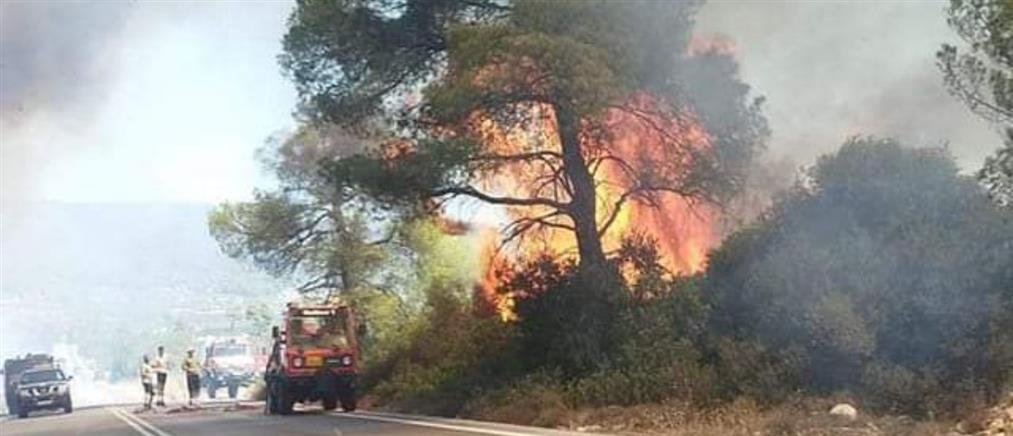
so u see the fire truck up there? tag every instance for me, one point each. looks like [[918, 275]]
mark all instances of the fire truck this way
[[231, 363], [315, 357]]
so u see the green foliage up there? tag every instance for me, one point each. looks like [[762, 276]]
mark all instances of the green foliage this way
[[535, 399], [982, 74], [428, 73], [308, 226], [748, 368], [885, 256], [349, 57], [996, 175], [448, 358], [399, 175], [654, 324], [562, 324], [898, 389]]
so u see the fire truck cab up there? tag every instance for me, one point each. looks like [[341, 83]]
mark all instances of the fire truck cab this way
[[315, 357]]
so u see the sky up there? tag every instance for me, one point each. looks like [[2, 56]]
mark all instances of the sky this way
[[163, 102], [140, 102], [831, 69]]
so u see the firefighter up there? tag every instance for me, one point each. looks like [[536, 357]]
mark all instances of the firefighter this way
[[192, 368], [146, 380], [161, 367], [334, 335]]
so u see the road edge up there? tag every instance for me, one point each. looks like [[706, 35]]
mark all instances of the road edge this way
[[463, 425]]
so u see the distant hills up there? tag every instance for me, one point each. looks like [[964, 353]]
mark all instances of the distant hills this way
[[67, 267]]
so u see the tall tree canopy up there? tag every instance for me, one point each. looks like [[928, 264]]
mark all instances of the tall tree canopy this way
[[308, 225], [525, 104], [982, 74]]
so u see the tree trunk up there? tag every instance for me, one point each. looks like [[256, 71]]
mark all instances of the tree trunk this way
[[582, 207]]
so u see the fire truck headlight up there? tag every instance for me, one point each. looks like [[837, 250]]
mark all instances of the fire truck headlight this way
[[297, 362], [346, 360]]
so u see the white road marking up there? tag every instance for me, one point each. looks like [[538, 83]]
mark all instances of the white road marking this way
[[137, 427], [439, 425], [136, 421]]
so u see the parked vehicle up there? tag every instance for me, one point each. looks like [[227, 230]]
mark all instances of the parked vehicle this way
[[230, 363], [314, 358], [43, 388], [12, 370]]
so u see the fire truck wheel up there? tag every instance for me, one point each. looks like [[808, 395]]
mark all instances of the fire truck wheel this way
[[348, 402], [330, 403]]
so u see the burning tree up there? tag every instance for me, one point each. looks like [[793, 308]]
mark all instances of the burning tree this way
[[564, 112]]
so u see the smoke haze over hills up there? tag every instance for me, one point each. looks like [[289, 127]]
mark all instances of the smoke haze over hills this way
[[833, 69]]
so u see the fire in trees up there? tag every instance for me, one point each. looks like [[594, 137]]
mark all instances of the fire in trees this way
[[579, 118]]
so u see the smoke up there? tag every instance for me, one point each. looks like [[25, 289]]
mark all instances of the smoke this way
[[55, 68], [831, 70]]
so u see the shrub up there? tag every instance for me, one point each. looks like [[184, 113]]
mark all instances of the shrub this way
[[535, 399], [880, 274]]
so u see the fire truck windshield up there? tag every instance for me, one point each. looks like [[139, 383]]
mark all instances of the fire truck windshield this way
[[229, 350], [318, 331]]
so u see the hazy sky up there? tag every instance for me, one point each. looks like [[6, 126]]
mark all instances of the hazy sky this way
[[833, 68], [139, 101], [167, 101]]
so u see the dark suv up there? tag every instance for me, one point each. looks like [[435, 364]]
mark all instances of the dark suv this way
[[43, 389]]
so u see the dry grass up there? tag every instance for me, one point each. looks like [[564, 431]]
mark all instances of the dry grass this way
[[803, 417]]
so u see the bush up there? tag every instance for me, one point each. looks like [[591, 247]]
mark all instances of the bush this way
[[898, 389], [536, 399], [880, 274], [749, 369], [567, 321], [448, 360]]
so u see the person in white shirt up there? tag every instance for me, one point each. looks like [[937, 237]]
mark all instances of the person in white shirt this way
[[160, 365], [146, 381]]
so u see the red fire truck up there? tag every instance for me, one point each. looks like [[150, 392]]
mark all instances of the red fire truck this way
[[315, 357]]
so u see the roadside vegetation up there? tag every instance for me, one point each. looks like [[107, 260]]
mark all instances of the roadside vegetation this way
[[882, 278], [883, 281]]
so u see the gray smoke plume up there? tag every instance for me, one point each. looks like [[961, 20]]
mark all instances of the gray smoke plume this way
[[54, 55], [55, 65], [833, 69]]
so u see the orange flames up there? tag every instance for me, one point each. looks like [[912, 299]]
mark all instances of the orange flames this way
[[651, 143], [685, 232], [644, 140]]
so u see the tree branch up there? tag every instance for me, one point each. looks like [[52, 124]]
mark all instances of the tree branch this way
[[508, 201], [521, 225]]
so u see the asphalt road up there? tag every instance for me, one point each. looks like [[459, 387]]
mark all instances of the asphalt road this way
[[225, 421]]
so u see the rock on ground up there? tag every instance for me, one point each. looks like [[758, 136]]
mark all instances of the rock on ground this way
[[844, 410]]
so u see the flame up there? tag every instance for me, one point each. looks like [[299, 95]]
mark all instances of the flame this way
[[488, 301], [722, 45], [646, 140], [684, 231]]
